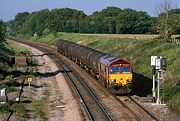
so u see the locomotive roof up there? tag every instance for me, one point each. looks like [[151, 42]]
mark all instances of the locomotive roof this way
[[109, 59]]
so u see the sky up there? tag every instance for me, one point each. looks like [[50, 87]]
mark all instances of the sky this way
[[9, 8]]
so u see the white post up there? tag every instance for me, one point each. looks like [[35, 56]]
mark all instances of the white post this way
[[153, 89], [4, 93], [158, 88]]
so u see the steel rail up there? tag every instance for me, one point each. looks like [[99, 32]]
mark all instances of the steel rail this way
[[125, 106], [122, 103], [45, 49], [144, 109], [70, 81], [87, 87], [90, 91]]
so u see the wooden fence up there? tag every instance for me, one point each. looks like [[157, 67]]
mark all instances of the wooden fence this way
[[176, 41]]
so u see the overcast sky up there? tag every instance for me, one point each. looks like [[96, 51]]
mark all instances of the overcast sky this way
[[9, 8]]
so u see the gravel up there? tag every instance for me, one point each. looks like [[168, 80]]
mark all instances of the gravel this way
[[62, 105]]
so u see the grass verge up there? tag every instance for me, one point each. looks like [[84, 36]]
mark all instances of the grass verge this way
[[138, 52]]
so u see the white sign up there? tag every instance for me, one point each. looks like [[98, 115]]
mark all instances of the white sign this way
[[153, 60], [3, 92], [158, 63]]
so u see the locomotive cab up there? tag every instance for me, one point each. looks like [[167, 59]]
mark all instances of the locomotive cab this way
[[116, 72], [120, 74]]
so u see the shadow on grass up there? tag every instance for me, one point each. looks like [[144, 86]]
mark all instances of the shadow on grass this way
[[142, 86], [16, 74], [34, 86], [42, 54], [26, 101]]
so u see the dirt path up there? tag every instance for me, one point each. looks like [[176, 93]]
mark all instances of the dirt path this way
[[62, 105]]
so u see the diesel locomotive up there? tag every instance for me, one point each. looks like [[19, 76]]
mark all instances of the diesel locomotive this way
[[114, 72]]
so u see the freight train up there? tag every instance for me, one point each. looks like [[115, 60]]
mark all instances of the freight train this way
[[115, 73]]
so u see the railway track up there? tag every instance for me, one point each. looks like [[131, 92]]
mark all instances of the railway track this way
[[139, 111], [95, 110], [86, 95], [93, 107]]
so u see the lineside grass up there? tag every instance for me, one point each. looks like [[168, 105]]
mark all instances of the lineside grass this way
[[138, 52], [130, 36], [16, 48]]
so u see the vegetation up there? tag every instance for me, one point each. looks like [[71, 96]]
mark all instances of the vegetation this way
[[19, 110], [138, 52], [2, 31], [9, 76], [40, 108], [45, 26], [110, 20], [4, 51], [4, 108], [168, 21]]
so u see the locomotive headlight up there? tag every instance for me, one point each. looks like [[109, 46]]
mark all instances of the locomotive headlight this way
[[113, 80], [127, 78], [129, 81]]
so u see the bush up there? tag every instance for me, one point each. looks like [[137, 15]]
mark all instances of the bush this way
[[19, 110], [12, 89], [4, 108]]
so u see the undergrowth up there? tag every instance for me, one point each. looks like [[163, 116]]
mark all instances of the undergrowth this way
[[138, 52]]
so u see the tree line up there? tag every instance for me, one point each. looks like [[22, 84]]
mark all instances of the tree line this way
[[5, 52], [111, 20]]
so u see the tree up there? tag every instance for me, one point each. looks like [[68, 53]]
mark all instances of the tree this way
[[17, 24], [4, 51], [110, 20], [132, 22], [167, 21], [2, 31]]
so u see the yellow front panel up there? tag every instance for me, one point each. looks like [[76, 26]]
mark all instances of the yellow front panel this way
[[121, 79]]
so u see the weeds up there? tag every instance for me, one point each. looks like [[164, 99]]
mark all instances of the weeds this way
[[137, 51], [39, 108]]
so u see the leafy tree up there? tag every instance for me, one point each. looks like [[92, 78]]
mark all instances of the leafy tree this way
[[66, 20], [133, 22], [37, 22], [168, 21], [4, 51], [15, 26], [2, 31], [110, 20]]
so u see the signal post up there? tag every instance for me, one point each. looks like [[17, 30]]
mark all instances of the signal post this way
[[158, 63]]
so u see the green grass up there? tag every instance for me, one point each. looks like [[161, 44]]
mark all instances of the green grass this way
[[16, 48], [4, 108], [138, 52], [19, 110], [40, 108]]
